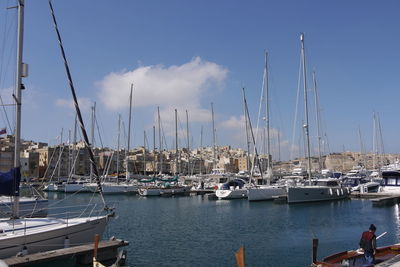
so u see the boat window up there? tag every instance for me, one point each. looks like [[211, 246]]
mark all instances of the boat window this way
[[332, 183], [391, 181]]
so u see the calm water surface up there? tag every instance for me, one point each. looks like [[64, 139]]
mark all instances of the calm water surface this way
[[195, 231]]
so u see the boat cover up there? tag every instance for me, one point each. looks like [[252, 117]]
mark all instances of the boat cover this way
[[9, 182]]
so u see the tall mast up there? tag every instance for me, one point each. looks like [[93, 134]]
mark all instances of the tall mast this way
[[317, 121], [176, 142], [188, 142], [154, 151], [92, 136], [18, 100], [74, 145], [361, 147], [213, 130], [129, 132], [267, 120], [374, 142], [201, 149], [118, 145], [144, 153], [247, 134], [306, 126], [61, 151], [160, 139]]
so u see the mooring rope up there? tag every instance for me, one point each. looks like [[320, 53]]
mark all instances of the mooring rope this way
[[78, 112]]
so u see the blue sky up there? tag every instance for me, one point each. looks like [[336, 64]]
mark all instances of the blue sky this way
[[187, 54]]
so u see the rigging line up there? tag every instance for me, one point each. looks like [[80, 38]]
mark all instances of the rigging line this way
[[98, 132], [261, 103], [6, 33], [78, 111], [296, 110]]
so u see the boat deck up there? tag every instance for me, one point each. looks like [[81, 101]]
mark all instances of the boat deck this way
[[107, 250]]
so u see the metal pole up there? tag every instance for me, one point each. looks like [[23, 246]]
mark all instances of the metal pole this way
[[129, 133], [318, 124], [306, 126], [18, 100], [213, 129]]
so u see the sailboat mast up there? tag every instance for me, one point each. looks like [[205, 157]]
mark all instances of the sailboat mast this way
[[144, 152], [317, 121], [176, 143], [61, 151], [188, 142], [247, 135], [201, 149], [129, 133], [213, 129], [154, 150], [306, 126], [160, 139], [18, 100], [118, 145], [92, 136], [267, 120]]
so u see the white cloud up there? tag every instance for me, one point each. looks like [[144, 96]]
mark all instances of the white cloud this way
[[84, 103], [234, 123], [168, 87]]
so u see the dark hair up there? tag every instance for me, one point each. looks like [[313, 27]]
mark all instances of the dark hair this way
[[372, 227]]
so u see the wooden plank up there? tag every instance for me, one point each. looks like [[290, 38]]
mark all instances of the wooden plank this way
[[64, 253]]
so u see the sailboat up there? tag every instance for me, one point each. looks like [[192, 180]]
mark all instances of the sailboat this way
[[321, 189], [30, 235], [265, 192], [126, 187]]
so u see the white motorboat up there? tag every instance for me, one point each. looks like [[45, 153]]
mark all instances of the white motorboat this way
[[360, 184], [390, 182], [232, 190]]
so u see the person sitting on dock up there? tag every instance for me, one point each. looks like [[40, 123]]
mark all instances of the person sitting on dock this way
[[368, 244]]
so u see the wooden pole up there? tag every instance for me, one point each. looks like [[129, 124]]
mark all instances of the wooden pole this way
[[96, 245], [240, 259], [314, 250]]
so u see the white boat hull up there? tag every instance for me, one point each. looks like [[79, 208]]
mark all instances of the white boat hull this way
[[44, 234], [264, 193], [146, 192], [316, 193], [231, 194], [73, 188], [113, 188]]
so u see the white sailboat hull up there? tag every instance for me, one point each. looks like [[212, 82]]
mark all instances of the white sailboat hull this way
[[45, 234], [231, 194], [73, 188], [113, 188], [264, 193], [316, 193]]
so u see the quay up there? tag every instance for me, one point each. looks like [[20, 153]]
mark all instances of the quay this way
[[379, 199], [107, 250]]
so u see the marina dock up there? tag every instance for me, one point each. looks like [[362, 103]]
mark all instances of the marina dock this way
[[107, 250]]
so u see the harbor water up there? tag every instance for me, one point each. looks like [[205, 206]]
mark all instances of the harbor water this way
[[196, 231]]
